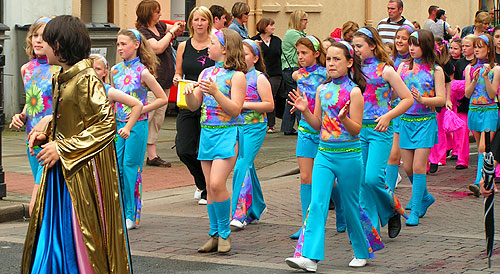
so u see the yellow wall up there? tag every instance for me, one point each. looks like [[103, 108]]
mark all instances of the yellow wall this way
[[326, 15]]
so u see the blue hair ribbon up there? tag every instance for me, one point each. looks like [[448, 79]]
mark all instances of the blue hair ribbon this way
[[366, 32], [415, 34], [484, 38], [253, 45], [220, 37], [410, 29], [137, 34], [100, 57], [349, 47], [44, 19]]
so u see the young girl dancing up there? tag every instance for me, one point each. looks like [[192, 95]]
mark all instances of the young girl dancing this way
[[376, 198], [418, 127], [220, 92], [77, 222], [338, 115], [481, 85], [402, 54], [134, 76], [312, 73], [248, 201], [101, 68], [37, 80]]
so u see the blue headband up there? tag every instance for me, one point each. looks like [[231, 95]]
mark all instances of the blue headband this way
[[314, 41], [349, 47], [44, 19], [415, 34], [220, 37], [137, 34], [253, 45], [484, 38], [366, 32], [410, 29], [100, 57]]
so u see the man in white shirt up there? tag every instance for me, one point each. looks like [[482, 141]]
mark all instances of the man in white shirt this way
[[432, 17], [387, 27]]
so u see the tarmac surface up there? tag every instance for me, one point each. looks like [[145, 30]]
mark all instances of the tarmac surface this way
[[449, 239]]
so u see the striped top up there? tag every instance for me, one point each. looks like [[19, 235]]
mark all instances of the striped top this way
[[387, 29]]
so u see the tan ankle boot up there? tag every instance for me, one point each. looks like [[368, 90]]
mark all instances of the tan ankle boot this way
[[209, 246], [224, 245]]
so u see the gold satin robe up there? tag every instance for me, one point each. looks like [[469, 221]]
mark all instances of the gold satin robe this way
[[83, 127]]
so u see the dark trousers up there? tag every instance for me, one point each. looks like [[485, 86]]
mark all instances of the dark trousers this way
[[289, 119], [275, 86], [186, 143]]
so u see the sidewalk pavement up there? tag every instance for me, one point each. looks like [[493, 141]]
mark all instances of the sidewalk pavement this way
[[20, 181], [449, 239]]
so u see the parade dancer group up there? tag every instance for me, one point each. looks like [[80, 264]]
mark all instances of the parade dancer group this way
[[362, 112]]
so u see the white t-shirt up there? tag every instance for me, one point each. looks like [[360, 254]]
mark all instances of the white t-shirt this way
[[438, 29], [428, 23]]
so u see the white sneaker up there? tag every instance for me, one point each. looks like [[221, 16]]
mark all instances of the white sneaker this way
[[398, 180], [257, 221], [202, 202], [358, 262], [197, 194], [302, 263], [130, 224], [238, 224]]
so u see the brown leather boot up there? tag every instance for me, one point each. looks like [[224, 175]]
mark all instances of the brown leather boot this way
[[224, 245], [209, 246]]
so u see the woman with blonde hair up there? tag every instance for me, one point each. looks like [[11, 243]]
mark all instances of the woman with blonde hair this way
[[240, 12], [289, 63], [481, 24], [158, 35], [348, 30], [192, 58]]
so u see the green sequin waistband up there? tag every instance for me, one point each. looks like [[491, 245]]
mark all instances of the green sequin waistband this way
[[373, 125], [213, 127], [486, 108], [339, 149], [307, 131], [419, 119], [35, 147]]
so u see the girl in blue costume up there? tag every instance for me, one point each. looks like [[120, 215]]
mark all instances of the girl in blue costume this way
[[338, 115], [248, 201], [418, 127], [134, 76], [481, 85], [117, 96], [220, 92], [37, 80], [376, 198], [402, 54], [312, 73]]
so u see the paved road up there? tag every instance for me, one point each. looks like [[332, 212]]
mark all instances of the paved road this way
[[449, 239]]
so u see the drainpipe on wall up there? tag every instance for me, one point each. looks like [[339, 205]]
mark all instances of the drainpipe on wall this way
[[368, 13], [251, 18]]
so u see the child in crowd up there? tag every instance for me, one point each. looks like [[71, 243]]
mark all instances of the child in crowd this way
[[77, 215], [220, 92], [418, 127], [248, 201], [134, 76]]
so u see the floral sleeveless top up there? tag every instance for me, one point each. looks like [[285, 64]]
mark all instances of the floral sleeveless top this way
[[333, 96], [127, 78], [212, 113], [308, 80], [480, 95], [37, 79], [377, 94], [397, 61], [251, 116], [421, 78]]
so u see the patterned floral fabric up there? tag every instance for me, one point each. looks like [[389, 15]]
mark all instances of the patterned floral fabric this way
[[480, 95], [251, 116], [37, 79], [421, 78], [127, 78], [212, 113], [333, 96], [308, 80], [377, 94], [400, 59], [244, 199]]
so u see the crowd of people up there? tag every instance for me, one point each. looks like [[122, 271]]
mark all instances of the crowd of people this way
[[364, 99]]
